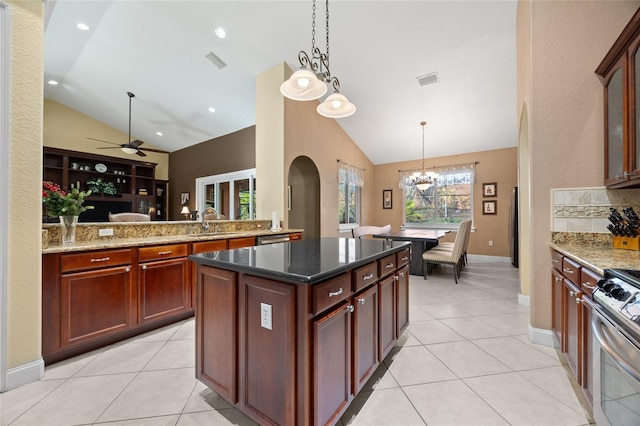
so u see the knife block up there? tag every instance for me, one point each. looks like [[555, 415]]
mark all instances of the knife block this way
[[626, 243]]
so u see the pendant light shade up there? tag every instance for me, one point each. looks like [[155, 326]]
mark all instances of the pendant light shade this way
[[423, 180], [336, 106], [303, 85]]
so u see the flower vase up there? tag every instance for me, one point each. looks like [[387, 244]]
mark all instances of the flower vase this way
[[68, 224]]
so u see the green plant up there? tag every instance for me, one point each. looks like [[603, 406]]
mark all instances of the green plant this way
[[99, 185], [61, 203]]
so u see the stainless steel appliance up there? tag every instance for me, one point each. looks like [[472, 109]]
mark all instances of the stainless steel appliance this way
[[272, 239], [616, 349]]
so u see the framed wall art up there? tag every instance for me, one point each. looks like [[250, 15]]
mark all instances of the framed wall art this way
[[184, 198], [387, 199], [489, 207], [490, 189]]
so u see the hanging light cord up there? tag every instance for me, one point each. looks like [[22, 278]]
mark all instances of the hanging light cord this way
[[423, 123]]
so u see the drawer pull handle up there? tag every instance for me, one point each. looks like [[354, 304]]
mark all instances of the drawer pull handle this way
[[350, 308], [101, 259], [389, 265], [568, 271], [368, 276], [160, 253], [555, 261], [587, 285], [405, 258], [144, 266], [335, 293], [361, 301]]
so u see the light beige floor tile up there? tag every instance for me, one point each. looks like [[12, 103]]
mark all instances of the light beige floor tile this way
[[381, 379], [407, 339], [418, 314], [467, 360], [69, 367], [451, 403], [443, 310], [547, 350], [159, 335], [152, 394], [556, 382], [229, 416], [16, 401], [515, 354], [174, 354], [511, 324], [429, 332], [77, 401], [521, 402], [204, 399], [415, 365], [383, 407], [147, 421], [472, 329], [124, 358], [186, 331]]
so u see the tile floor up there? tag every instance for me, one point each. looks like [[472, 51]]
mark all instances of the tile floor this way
[[465, 360]]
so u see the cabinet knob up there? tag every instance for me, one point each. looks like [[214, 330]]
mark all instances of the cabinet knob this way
[[573, 293], [402, 274], [127, 269], [350, 308], [144, 266], [361, 301], [335, 293], [578, 301], [558, 279]]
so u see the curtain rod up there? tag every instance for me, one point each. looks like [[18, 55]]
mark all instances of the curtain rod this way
[[473, 163], [349, 164]]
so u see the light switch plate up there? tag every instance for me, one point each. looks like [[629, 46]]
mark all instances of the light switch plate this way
[[265, 316], [105, 232]]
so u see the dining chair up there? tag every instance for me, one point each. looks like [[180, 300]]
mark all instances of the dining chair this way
[[370, 230], [445, 257], [448, 245], [129, 217]]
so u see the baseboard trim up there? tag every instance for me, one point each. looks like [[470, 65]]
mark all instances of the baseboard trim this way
[[491, 258], [541, 336], [524, 300], [25, 373]]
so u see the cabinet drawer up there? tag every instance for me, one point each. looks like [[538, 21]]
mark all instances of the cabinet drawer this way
[[403, 257], [588, 281], [571, 270], [170, 251], [364, 276], [331, 293], [95, 259], [207, 246], [242, 242], [295, 237], [386, 265], [556, 260]]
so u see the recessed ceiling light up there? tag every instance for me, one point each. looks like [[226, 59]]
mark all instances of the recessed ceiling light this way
[[212, 109], [83, 27], [220, 32], [159, 133], [52, 82]]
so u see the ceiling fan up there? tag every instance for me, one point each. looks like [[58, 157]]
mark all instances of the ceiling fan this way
[[131, 147]]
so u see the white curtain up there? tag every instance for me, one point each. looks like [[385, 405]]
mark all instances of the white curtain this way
[[348, 173]]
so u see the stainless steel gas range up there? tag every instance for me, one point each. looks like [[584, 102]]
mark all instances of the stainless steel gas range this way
[[616, 349]]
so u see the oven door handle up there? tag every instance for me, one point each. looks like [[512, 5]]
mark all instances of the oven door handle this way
[[597, 325]]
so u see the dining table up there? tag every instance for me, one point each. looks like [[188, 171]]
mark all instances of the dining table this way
[[421, 241]]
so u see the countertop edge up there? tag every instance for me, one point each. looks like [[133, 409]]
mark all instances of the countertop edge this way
[[598, 257]]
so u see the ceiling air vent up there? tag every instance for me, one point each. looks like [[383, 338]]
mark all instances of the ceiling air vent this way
[[426, 79], [215, 59]]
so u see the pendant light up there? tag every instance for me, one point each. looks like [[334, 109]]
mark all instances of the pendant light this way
[[310, 81], [423, 181]]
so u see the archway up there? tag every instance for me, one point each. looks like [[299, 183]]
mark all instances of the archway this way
[[304, 197]]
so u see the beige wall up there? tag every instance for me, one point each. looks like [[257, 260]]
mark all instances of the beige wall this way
[[498, 166], [565, 109], [67, 128], [25, 175]]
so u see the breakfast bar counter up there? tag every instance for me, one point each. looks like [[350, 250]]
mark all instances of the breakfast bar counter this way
[[290, 332]]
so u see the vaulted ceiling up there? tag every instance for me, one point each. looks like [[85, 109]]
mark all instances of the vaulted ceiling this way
[[157, 50]]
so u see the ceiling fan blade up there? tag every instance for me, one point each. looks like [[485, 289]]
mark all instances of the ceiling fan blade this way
[[135, 144], [108, 147], [100, 140], [140, 153], [154, 150]]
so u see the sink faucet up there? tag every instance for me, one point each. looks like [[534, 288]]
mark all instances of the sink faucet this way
[[205, 224]]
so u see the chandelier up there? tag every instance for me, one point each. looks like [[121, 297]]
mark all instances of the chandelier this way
[[423, 180], [310, 81]]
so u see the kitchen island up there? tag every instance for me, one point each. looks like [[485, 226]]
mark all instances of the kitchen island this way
[[290, 332]]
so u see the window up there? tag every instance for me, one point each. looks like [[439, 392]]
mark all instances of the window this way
[[444, 204], [233, 195], [350, 180]]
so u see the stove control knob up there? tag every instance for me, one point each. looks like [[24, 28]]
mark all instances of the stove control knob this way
[[618, 293], [607, 286]]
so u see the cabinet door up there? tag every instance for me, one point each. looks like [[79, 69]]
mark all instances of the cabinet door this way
[[573, 347], [634, 112], [365, 336], [217, 331], [557, 313], [402, 301], [387, 313], [616, 126], [587, 349], [163, 289], [235, 243], [332, 365], [94, 304]]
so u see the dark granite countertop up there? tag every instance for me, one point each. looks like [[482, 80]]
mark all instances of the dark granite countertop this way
[[304, 261]]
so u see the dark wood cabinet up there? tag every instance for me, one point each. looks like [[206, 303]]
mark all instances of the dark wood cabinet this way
[[387, 315], [161, 194], [402, 300], [572, 328], [365, 332], [619, 71], [557, 313], [235, 243], [217, 331]]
